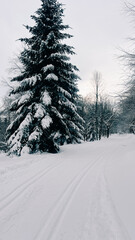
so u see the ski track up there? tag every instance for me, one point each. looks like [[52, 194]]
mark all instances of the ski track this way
[[62, 205], [20, 190], [108, 224], [103, 222]]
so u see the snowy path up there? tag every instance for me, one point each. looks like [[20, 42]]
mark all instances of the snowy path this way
[[60, 197]]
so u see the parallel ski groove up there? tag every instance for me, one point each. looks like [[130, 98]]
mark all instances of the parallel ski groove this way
[[66, 197], [19, 190]]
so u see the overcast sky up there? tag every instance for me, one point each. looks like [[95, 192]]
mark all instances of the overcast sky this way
[[100, 28]]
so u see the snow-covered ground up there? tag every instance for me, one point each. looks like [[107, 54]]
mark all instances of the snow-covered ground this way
[[86, 192]]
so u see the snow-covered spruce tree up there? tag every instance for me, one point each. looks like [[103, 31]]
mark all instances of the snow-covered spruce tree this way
[[46, 90]]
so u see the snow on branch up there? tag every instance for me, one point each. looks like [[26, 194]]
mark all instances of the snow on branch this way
[[46, 121], [64, 92], [25, 98], [51, 76], [79, 117], [26, 122], [40, 111], [14, 142], [70, 105], [60, 56], [55, 111], [74, 126], [35, 135], [48, 67], [46, 98], [27, 83]]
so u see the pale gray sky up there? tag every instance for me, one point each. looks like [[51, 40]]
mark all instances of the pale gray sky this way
[[100, 28]]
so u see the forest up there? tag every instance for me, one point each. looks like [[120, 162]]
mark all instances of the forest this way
[[44, 109]]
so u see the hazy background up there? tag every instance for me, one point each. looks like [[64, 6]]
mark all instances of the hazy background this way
[[100, 29]]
